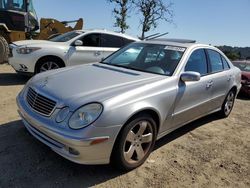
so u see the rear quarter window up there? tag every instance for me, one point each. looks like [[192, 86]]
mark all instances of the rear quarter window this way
[[215, 61], [225, 63]]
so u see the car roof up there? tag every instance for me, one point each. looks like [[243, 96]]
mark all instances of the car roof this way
[[109, 32]]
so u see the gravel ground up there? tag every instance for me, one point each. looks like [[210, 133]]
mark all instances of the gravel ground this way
[[209, 152]]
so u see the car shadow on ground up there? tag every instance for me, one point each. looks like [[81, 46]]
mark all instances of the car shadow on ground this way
[[8, 79], [26, 162], [243, 97], [185, 129]]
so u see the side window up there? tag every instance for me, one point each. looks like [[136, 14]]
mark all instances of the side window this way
[[225, 63], [92, 40], [15, 5], [111, 41], [197, 62], [215, 61]]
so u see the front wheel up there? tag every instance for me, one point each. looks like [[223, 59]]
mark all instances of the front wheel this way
[[228, 104], [48, 64], [135, 144]]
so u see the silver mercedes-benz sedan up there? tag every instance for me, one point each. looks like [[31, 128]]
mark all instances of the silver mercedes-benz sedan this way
[[115, 110]]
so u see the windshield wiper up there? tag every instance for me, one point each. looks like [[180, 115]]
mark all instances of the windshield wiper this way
[[115, 65]]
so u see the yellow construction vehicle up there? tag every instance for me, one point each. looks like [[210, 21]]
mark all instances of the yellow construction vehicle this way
[[18, 21]]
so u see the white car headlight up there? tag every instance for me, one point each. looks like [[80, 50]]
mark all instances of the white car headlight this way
[[85, 115], [27, 50]]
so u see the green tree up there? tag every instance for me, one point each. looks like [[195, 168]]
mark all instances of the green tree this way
[[232, 55], [152, 12], [121, 13]]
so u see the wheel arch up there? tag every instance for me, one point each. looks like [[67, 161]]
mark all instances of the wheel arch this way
[[39, 61], [234, 89], [149, 111]]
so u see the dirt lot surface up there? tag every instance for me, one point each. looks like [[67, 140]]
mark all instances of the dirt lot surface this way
[[210, 152]]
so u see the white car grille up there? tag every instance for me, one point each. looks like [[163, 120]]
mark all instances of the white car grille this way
[[40, 103]]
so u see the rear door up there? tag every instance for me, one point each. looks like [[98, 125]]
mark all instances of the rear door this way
[[89, 52], [193, 98], [111, 43], [221, 78]]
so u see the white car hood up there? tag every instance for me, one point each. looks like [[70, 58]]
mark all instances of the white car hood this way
[[35, 42]]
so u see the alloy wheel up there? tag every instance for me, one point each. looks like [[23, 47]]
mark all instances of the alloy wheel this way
[[138, 142], [50, 65], [229, 103]]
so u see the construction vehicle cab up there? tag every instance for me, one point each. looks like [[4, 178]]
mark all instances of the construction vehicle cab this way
[[18, 21], [17, 17]]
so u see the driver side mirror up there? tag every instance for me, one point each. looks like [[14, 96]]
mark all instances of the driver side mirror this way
[[190, 76], [78, 43]]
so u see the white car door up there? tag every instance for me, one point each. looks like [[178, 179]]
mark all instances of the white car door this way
[[110, 44], [89, 52]]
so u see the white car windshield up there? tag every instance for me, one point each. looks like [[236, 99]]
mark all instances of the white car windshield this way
[[152, 58], [66, 36]]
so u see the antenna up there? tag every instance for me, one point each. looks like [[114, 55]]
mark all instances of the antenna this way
[[155, 36]]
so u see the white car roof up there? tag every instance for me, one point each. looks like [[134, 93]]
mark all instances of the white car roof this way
[[109, 32]]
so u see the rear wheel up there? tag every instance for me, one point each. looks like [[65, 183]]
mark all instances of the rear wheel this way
[[228, 104], [4, 49], [135, 143], [46, 64]]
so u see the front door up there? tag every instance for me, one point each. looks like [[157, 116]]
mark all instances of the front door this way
[[193, 98], [89, 52]]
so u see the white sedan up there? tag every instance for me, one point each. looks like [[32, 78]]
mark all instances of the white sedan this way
[[73, 48]]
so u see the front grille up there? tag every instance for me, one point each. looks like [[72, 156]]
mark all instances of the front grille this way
[[40, 103]]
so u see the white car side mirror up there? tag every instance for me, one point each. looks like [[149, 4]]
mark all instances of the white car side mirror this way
[[78, 43]]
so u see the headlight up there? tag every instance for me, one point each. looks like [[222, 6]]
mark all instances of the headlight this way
[[62, 114], [85, 115], [26, 50]]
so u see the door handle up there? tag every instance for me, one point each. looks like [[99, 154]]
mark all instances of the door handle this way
[[229, 78], [209, 84], [97, 53]]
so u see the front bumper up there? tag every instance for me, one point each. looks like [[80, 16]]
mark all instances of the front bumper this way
[[24, 63], [72, 147]]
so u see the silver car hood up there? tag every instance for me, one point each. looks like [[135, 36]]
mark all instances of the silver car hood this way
[[78, 85]]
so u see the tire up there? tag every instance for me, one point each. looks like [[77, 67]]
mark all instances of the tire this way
[[228, 104], [48, 63], [4, 50], [134, 143]]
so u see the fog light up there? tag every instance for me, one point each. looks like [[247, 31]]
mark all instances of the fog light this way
[[73, 151], [23, 67]]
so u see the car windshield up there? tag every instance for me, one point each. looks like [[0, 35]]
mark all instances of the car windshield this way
[[152, 58], [243, 66], [66, 36]]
